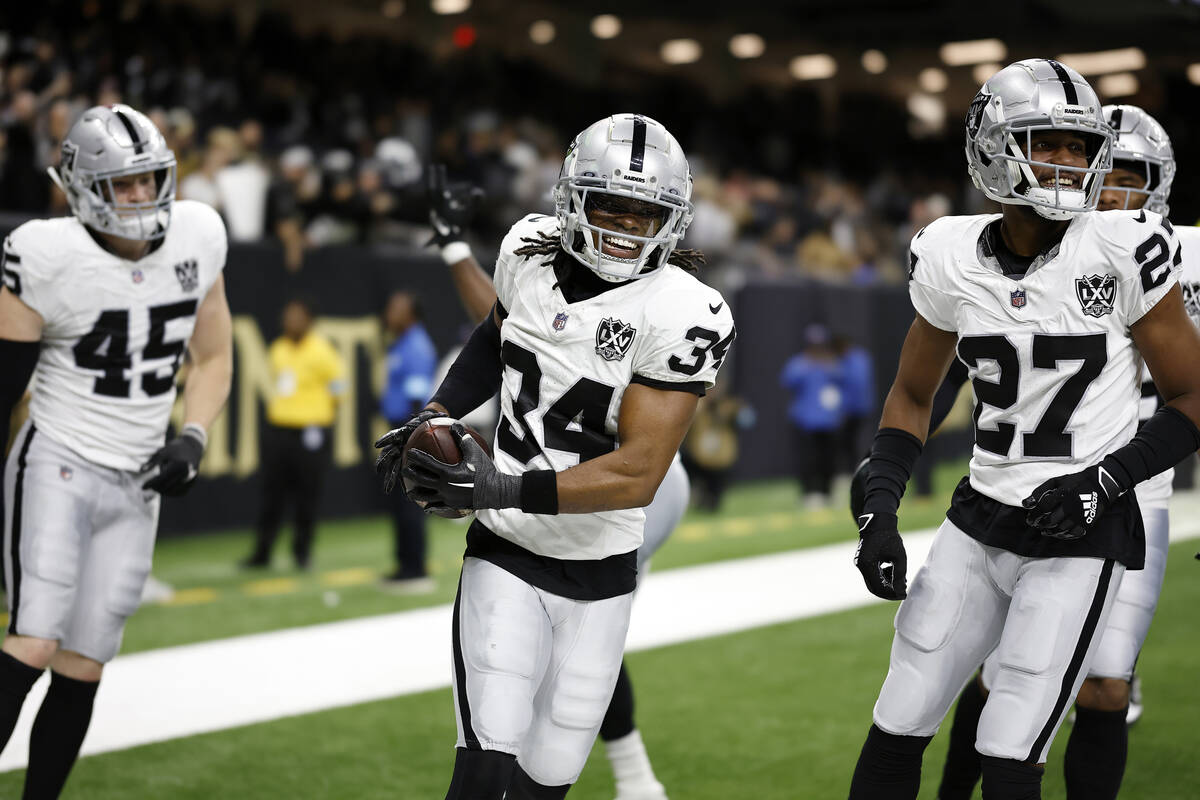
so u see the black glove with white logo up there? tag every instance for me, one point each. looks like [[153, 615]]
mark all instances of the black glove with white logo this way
[[880, 556], [452, 206], [474, 482], [177, 462], [391, 447], [1067, 507]]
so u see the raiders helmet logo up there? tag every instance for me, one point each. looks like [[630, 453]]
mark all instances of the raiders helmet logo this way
[[66, 162], [188, 273], [1096, 294], [613, 339], [975, 113]]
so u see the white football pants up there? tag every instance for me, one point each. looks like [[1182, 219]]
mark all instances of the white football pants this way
[[1041, 615], [533, 672]]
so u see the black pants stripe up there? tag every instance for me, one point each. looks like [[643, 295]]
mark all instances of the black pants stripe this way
[[460, 675], [15, 551], [1081, 647]]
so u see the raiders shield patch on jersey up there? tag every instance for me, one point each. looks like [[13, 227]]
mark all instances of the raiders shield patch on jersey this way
[[613, 339], [1096, 294], [1191, 298], [188, 273]]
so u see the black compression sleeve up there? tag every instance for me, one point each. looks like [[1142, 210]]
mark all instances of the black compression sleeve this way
[[475, 375], [19, 359], [893, 455], [947, 393], [1167, 438]]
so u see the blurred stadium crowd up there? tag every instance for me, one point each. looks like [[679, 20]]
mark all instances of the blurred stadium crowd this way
[[314, 141]]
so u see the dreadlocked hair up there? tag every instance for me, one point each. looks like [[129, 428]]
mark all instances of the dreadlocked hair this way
[[547, 244]]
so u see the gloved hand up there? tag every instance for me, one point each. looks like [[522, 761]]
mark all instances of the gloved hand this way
[[858, 487], [177, 462], [1067, 507], [452, 206], [474, 482], [880, 556], [391, 447]]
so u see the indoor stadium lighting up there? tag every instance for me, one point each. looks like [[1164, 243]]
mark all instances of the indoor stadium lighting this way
[[933, 80], [813, 67], [392, 8], [874, 61], [449, 6], [542, 31], [1104, 61], [982, 72], [930, 111], [606, 26], [1193, 73], [976, 51], [680, 51], [1119, 84], [747, 45]]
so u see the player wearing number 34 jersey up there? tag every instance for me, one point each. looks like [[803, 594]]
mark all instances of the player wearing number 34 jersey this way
[[99, 308], [600, 344]]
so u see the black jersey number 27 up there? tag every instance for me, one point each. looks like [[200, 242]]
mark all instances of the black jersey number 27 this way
[[106, 348], [1049, 438]]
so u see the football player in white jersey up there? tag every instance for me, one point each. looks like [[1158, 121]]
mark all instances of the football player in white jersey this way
[[99, 308], [1053, 308], [451, 210], [1141, 177], [599, 335]]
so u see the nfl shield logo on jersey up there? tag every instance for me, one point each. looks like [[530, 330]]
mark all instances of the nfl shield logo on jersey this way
[[560, 320], [188, 274], [1017, 298], [613, 339], [1096, 294]]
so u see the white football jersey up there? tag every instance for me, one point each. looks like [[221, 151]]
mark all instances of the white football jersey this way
[[566, 368], [1055, 374], [1157, 490], [114, 331]]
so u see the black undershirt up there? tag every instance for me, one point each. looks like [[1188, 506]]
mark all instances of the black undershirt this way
[[577, 282], [1012, 264]]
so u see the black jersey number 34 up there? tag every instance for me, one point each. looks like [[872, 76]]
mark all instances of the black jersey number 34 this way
[[709, 344]]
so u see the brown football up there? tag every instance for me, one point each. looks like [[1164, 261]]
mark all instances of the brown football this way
[[435, 439]]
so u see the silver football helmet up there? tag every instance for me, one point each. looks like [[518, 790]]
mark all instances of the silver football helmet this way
[[1141, 140], [109, 142], [623, 156], [1025, 97]]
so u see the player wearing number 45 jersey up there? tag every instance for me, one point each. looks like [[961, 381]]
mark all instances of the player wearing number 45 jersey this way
[[99, 308], [1053, 308], [600, 344]]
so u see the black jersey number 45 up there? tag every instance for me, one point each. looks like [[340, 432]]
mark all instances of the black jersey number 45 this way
[[105, 348]]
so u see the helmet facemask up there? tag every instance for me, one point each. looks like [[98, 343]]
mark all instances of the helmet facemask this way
[[1072, 190], [1151, 172]]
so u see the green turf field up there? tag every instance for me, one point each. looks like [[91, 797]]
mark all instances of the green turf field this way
[[776, 712]]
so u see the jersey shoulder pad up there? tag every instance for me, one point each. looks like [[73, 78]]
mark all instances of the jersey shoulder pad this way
[[934, 248], [38, 256], [1120, 233], [532, 229], [203, 225], [1189, 243], [690, 331]]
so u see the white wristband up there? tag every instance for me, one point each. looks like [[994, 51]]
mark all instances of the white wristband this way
[[196, 431], [455, 252]]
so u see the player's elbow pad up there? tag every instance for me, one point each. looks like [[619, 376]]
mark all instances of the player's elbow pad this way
[[475, 375], [19, 359]]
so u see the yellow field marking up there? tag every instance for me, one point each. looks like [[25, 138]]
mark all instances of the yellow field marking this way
[[739, 526], [779, 521], [693, 532], [3, 619], [270, 586], [191, 597], [354, 576]]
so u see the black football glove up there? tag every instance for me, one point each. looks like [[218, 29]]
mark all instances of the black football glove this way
[[177, 462], [858, 488], [1067, 507], [452, 206], [391, 447], [474, 482], [880, 556]]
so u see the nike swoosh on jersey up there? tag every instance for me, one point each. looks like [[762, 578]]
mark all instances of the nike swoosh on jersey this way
[[715, 309]]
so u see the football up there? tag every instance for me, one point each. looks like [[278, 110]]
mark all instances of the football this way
[[434, 438]]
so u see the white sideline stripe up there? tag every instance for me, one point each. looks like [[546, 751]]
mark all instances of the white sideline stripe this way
[[174, 692]]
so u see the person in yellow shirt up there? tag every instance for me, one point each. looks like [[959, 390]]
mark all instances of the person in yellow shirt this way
[[307, 380]]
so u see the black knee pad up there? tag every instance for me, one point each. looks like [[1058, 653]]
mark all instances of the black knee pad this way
[[1006, 779], [480, 774], [523, 787]]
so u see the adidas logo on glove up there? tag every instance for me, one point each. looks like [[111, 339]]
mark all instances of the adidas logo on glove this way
[[1091, 504]]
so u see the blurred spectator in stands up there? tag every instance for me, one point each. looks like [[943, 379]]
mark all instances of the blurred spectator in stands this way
[[857, 380], [307, 382], [222, 147], [813, 376], [181, 138], [243, 185], [338, 213], [411, 361], [291, 200], [23, 182], [711, 447]]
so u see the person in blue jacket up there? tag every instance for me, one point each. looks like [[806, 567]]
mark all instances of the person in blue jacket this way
[[411, 361], [814, 376], [858, 399]]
